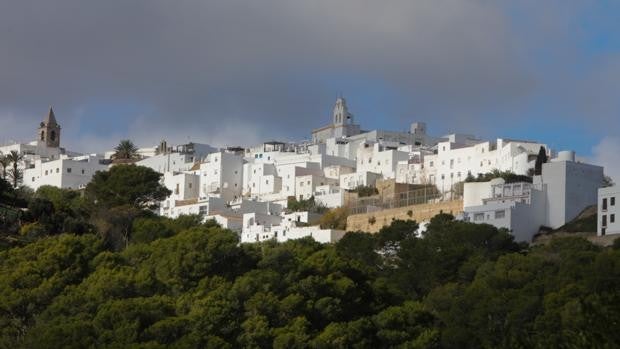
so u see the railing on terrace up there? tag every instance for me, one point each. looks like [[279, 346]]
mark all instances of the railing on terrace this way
[[332, 191], [414, 197]]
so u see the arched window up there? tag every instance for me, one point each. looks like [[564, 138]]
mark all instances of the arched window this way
[[53, 135], [42, 135]]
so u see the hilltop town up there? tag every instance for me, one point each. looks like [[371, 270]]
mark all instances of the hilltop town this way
[[344, 179]]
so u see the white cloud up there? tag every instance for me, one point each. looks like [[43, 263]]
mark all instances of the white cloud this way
[[607, 154]]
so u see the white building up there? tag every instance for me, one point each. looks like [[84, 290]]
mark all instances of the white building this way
[[45, 162], [181, 158], [571, 187], [260, 227], [608, 211], [306, 186], [46, 145], [174, 208], [378, 158], [353, 180], [272, 175], [454, 161], [183, 185], [518, 207], [65, 172], [330, 196], [228, 220], [557, 196], [221, 174]]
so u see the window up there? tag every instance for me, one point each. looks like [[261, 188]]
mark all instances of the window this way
[[57, 170], [190, 185], [82, 171], [266, 181], [604, 221], [68, 169], [478, 217], [33, 179], [42, 135], [612, 218], [605, 204], [612, 201], [431, 164], [500, 214]]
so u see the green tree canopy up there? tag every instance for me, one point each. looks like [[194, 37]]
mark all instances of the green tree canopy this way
[[132, 185]]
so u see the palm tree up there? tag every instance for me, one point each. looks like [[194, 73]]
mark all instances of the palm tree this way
[[4, 162], [125, 150], [15, 158]]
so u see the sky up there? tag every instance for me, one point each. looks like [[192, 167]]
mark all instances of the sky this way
[[240, 72]]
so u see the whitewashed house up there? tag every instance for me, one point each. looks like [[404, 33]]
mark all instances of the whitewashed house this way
[[65, 172], [180, 158], [221, 174], [608, 211], [353, 180], [377, 158], [260, 227], [453, 162], [555, 197]]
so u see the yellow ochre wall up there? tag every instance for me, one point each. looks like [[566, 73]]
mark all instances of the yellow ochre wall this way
[[383, 218]]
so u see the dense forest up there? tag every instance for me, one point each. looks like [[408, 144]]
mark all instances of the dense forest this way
[[97, 269]]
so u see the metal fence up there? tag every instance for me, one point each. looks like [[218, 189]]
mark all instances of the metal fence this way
[[409, 198]]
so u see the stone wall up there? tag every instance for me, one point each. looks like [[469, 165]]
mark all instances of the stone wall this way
[[373, 222]]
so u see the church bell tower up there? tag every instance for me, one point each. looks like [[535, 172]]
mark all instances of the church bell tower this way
[[49, 131], [341, 115]]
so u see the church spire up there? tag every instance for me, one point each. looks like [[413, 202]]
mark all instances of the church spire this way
[[51, 118], [49, 130]]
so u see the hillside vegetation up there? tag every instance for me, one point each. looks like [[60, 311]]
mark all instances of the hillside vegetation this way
[[153, 282]]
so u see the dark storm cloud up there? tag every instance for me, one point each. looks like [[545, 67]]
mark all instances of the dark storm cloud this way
[[239, 71]]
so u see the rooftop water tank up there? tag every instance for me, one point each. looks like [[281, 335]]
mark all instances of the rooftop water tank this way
[[566, 155]]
